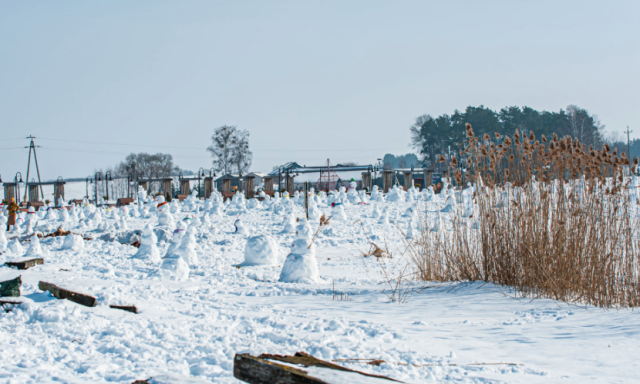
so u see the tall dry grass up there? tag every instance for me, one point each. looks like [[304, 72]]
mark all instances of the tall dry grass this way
[[553, 219]]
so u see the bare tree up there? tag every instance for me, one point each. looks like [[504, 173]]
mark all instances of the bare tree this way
[[242, 156], [145, 165], [230, 150], [222, 148]]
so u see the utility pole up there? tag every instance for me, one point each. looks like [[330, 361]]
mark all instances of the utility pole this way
[[628, 146], [32, 146]]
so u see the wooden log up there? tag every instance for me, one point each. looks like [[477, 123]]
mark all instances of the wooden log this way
[[255, 370], [11, 288], [25, 264], [306, 360], [128, 308], [62, 293], [7, 302], [262, 370]]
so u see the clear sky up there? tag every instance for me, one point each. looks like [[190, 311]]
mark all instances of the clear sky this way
[[310, 80]]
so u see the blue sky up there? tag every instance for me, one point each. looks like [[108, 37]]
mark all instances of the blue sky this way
[[310, 80]]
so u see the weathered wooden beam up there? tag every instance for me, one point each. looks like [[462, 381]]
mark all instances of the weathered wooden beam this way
[[306, 360], [11, 288], [263, 370], [128, 308], [6, 302], [25, 264], [62, 293], [254, 370]]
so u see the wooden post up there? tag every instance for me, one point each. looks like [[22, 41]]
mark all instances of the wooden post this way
[[268, 184], [305, 191], [166, 188], [34, 192], [408, 180], [366, 181], [249, 193], [290, 185], [387, 180], [9, 191], [208, 186], [185, 187], [58, 191], [428, 178], [226, 185]]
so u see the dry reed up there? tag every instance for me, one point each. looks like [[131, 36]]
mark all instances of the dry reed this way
[[557, 221]]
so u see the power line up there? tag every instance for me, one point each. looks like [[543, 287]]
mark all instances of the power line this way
[[184, 156], [201, 148]]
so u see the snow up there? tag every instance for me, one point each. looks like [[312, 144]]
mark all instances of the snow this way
[[73, 241], [195, 316], [261, 250]]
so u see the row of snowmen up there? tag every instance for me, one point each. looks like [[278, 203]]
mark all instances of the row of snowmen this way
[[15, 249]]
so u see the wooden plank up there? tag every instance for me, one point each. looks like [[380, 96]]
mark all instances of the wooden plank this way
[[128, 308], [11, 288], [306, 360], [62, 293], [6, 302], [124, 201], [254, 370], [25, 264], [263, 370]]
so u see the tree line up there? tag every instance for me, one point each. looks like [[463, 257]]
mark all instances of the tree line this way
[[445, 134]]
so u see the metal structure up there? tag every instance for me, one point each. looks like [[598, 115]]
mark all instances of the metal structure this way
[[292, 169], [32, 147], [328, 178], [107, 179], [628, 145]]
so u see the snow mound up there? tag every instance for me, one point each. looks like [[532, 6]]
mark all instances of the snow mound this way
[[148, 249], [261, 250], [73, 241], [174, 267], [301, 265]]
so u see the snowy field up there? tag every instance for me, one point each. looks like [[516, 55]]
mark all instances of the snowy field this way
[[188, 330]]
